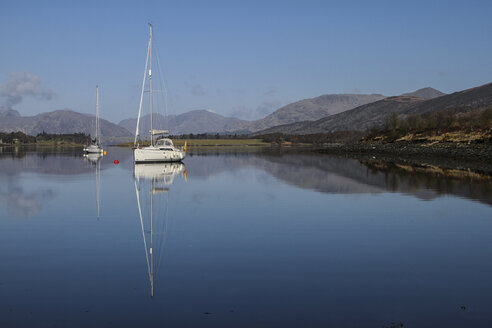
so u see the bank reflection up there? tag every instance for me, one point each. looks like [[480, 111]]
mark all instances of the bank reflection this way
[[152, 187], [340, 175], [57, 161]]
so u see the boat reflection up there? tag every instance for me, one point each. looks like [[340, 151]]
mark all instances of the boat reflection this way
[[152, 184], [95, 160]]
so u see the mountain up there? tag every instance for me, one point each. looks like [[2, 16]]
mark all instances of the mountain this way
[[196, 121], [426, 93], [59, 121], [375, 114], [312, 109]]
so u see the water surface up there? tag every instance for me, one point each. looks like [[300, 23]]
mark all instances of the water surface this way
[[240, 240]]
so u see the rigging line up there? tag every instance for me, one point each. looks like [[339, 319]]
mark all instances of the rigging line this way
[[141, 94], [161, 234], [143, 232], [166, 228], [162, 241]]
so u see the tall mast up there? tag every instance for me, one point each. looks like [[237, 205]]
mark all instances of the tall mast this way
[[97, 114], [150, 84]]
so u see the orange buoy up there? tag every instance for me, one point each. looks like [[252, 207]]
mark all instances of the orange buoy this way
[[116, 162]]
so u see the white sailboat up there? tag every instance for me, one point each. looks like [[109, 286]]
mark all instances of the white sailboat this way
[[161, 149], [155, 227], [95, 145]]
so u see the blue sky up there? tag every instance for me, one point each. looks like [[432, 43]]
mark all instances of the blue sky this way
[[242, 58]]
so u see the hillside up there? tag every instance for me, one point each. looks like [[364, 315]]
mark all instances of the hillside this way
[[312, 109], [460, 101], [358, 119], [59, 122], [196, 121], [375, 114]]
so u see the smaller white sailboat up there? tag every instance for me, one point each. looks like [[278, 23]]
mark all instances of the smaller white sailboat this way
[[161, 149], [95, 145]]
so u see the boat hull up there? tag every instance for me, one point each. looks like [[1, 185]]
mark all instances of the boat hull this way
[[156, 155]]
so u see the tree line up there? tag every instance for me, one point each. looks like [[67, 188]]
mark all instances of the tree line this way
[[20, 137], [435, 123], [201, 136]]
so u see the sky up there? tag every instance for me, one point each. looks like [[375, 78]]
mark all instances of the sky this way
[[237, 58]]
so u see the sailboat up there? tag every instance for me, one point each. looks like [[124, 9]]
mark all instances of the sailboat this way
[[95, 145], [161, 149], [157, 178]]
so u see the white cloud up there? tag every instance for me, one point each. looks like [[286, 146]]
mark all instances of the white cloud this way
[[22, 84]]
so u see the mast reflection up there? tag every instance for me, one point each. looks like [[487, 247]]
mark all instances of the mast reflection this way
[[152, 185], [95, 160]]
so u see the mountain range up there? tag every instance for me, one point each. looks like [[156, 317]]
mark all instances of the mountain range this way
[[326, 113], [59, 121], [204, 121], [375, 114]]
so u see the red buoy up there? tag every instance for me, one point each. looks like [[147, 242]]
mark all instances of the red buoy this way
[[116, 162]]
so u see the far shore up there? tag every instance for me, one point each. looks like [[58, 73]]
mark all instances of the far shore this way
[[475, 156], [44, 144]]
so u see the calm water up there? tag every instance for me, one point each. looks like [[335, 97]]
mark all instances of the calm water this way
[[240, 240]]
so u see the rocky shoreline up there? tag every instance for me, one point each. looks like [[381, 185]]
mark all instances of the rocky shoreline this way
[[451, 155]]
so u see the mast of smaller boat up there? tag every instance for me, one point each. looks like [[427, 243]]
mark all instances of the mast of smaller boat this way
[[97, 115]]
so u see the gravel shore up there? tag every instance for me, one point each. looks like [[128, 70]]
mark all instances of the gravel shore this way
[[463, 156]]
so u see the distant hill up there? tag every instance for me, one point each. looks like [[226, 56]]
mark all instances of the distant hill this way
[[426, 93], [375, 114], [460, 101], [196, 121], [59, 121], [312, 109]]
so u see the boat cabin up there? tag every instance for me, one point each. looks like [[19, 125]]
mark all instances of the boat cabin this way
[[164, 144]]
